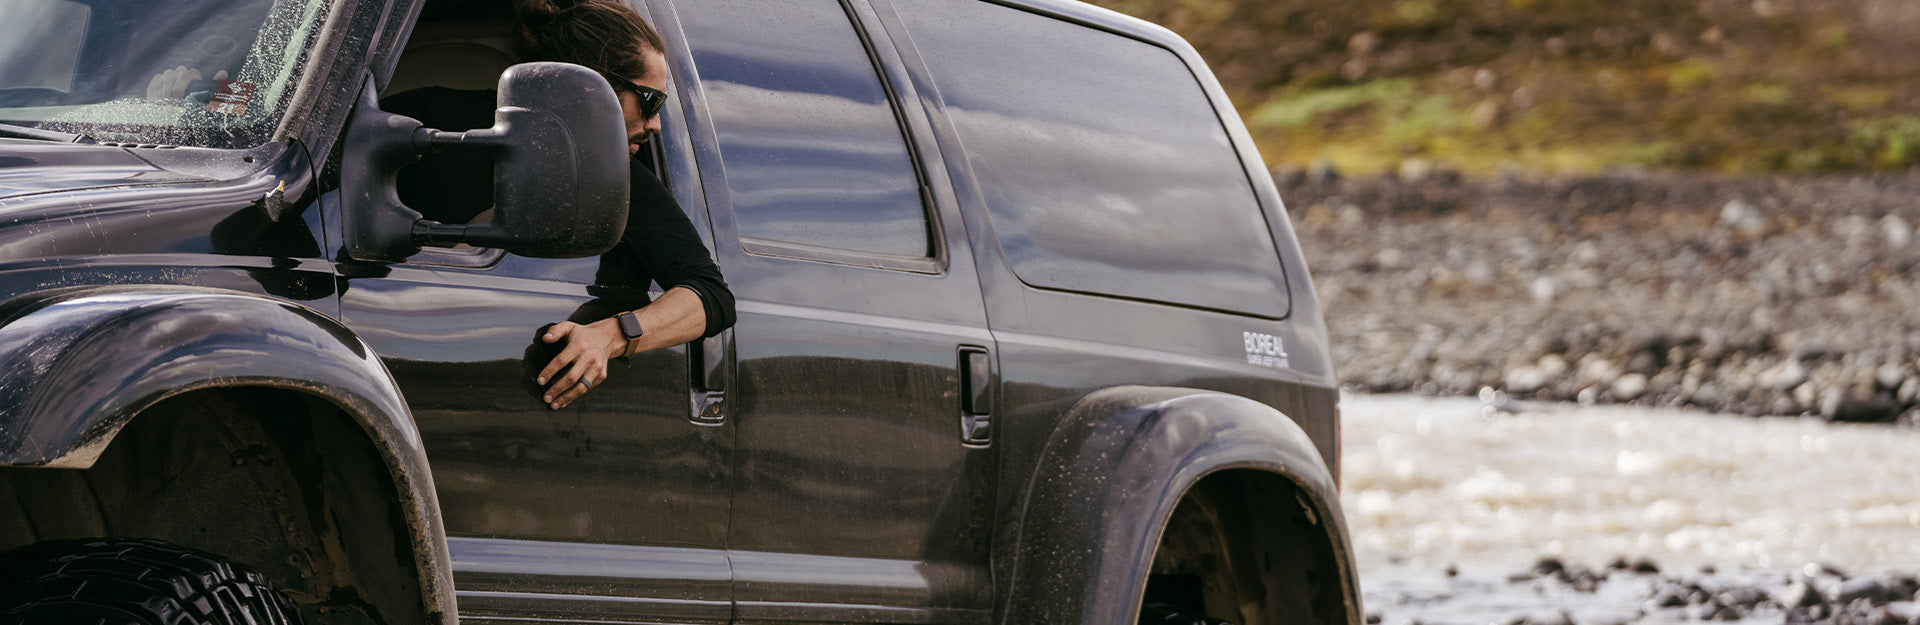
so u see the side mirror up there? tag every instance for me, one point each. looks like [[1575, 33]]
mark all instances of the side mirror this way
[[559, 146]]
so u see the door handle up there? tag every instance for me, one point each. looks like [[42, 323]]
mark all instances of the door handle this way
[[976, 398], [708, 366]]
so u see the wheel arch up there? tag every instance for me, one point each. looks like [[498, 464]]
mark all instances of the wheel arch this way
[[93, 362], [1115, 470]]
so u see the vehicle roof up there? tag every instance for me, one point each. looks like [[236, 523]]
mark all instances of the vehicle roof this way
[[1102, 17]]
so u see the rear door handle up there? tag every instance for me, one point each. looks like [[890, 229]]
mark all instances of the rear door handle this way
[[976, 396]]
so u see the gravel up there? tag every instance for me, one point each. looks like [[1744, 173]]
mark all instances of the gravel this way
[[1557, 593], [1763, 296]]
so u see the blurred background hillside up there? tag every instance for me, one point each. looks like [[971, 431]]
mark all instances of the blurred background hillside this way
[[1559, 86]]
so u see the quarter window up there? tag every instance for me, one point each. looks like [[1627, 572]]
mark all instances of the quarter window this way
[[1102, 162], [809, 139]]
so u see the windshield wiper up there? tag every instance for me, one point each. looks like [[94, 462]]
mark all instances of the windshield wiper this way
[[24, 132]]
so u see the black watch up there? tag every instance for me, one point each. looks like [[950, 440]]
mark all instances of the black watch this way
[[630, 325]]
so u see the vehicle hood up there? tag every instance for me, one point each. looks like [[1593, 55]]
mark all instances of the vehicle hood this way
[[28, 168]]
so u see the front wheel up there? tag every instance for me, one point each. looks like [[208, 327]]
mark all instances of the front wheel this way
[[115, 581]]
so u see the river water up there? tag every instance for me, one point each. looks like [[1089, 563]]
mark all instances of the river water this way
[[1435, 484]]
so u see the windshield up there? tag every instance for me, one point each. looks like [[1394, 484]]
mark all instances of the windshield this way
[[207, 73]]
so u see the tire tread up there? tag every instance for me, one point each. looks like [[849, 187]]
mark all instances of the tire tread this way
[[134, 581]]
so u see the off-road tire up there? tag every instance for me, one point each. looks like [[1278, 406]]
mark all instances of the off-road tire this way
[[130, 581]]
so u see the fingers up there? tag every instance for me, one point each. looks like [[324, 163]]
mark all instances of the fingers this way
[[585, 373], [559, 331], [572, 393], [574, 363]]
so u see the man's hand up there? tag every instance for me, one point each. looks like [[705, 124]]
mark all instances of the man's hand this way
[[582, 364], [172, 84]]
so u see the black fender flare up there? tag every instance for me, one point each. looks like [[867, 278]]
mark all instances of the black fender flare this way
[[1110, 477], [84, 361]]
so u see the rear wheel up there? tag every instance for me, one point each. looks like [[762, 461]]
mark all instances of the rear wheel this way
[[116, 581]]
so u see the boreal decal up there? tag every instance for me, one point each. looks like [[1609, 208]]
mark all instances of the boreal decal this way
[[1266, 350]]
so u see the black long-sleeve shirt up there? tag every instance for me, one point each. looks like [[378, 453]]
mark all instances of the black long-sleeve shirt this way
[[662, 245]]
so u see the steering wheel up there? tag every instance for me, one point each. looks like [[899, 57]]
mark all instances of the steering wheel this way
[[31, 95]]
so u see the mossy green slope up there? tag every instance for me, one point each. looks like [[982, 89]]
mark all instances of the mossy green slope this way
[[1737, 86]]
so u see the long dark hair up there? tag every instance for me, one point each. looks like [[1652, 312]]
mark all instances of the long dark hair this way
[[603, 35]]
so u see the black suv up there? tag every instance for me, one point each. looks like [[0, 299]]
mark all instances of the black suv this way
[[1023, 335]]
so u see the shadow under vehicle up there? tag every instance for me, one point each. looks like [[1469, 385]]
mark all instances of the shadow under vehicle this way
[[1023, 332]]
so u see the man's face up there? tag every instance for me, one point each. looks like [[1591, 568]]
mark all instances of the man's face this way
[[640, 130]]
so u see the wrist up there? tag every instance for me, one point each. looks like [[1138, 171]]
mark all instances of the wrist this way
[[614, 345]]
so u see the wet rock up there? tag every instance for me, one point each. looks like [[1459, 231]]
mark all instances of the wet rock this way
[[1585, 581], [1669, 596], [1714, 611], [1800, 594], [1859, 405], [1746, 599], [1875, 591], [1826, 570], [1525, 379], [1883, 616], [1906, 588], [1559, 618], [1787, 375], [1889, 376], [1629, 387]]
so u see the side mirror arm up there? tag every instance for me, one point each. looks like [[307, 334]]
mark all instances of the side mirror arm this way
[[378, 145]]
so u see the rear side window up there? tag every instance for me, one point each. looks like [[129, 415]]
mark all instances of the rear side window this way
[[1103, 165], [812, 149]]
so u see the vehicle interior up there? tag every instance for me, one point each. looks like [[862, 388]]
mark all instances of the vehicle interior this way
[[446, 77]]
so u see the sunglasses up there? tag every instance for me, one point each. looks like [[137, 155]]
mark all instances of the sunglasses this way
[[651, 99]]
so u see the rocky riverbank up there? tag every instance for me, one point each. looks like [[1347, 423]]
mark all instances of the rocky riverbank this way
[[1752, 295], [1557, 593]]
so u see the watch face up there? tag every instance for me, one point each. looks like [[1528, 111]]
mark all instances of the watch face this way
[[630, 326]]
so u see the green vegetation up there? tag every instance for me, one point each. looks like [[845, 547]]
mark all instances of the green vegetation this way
[[1768, 86]]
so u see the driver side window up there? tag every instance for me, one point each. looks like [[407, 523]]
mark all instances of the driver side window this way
[[447, 78]]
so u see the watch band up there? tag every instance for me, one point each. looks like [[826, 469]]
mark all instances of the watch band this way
[[630, 328]]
